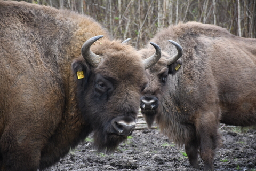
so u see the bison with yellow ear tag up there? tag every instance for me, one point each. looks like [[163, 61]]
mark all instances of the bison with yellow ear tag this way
[[205, 77], [53, 94]]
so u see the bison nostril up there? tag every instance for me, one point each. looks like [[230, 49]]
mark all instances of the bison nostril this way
[[119, 128], [143, 106], [152, 106]]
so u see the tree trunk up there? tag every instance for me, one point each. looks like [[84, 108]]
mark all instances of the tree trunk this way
[[246, 18], [205, 11], [151, 12], [160, 15], [126, 31], [142, 24], [231, 9], [164, 12], [186, 12], [106, 21], [239, 18], [120, 15], [177, 12], [82, 6], [199, 10], [61, 4], [214, 12], [169, 11], [110, 18], [253, 18], [137, 46]]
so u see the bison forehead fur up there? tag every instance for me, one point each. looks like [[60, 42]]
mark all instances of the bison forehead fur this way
[[126, 61], [215, 83], [45, 108]]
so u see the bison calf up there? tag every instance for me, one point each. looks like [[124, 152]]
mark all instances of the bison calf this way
[[48, 105], [214, 81]]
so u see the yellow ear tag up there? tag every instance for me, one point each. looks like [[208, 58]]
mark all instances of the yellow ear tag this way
[[177, 67], [80, 74]]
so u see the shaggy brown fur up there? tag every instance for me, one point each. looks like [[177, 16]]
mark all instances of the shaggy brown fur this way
[[215, 83], [44, 108]]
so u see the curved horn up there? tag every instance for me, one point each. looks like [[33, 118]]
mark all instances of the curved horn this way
[[177, 56], [152, 60], [88, 55], [127, 40]]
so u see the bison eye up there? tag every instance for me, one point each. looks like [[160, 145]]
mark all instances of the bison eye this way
[[163, 78], [101, 85]]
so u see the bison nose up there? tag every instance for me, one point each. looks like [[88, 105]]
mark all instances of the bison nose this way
[[123, 127], [148, 103]]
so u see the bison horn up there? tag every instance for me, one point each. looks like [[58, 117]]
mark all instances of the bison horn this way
[[177, 56], [127, 40], [88, 55], [149, 62]]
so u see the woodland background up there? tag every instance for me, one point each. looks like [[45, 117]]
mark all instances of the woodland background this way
[[142, 19]]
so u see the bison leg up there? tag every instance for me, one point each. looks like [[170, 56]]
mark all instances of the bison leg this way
[[207, 129], [191, 148]]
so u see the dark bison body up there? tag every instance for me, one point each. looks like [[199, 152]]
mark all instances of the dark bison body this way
[[48, 105], [214, 81]]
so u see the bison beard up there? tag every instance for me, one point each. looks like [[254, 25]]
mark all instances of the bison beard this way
[[107, 142], [215, 83], [47, 104]]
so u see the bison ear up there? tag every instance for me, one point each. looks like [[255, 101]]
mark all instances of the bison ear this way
[[174, 67], [81, 71]]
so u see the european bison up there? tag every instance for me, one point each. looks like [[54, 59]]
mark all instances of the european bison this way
[[48, 105], [214, 81]]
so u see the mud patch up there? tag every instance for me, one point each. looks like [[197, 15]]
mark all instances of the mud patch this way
[[149, 150]]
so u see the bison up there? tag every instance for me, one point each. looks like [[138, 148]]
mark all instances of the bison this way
[[51, 96], [214, 81]]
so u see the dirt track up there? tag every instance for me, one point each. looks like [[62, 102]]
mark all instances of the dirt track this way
[[149, 150]]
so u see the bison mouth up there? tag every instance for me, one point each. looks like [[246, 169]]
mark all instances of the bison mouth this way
[[148, 112], [149, 116], [114, 133], [107, 142]]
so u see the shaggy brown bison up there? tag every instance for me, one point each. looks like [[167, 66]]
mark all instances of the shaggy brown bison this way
[[48, 105], [215, 83]]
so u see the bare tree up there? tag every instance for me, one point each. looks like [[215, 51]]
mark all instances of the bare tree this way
[[253, 18], [160, 14], [82, 6], [120, 15], [110, 16], [205, 7], [239, 18], [141, 19], [61, 4], [177, 12], [199, 10], [187, 9], [128, 19], [169, 5], [214, 12]]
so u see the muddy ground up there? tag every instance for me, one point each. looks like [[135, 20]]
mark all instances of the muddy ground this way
[[149, 150]]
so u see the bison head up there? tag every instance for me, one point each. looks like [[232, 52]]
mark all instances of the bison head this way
[[151, 101], [110, 79]]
